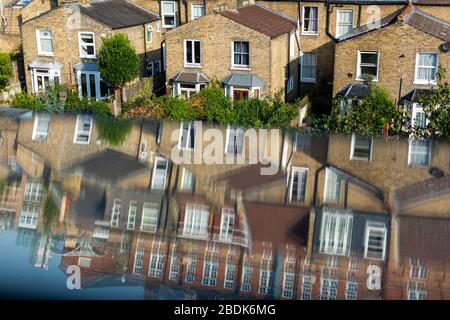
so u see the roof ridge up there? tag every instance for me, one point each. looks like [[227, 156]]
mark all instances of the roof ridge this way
[[274, 12], [429, 16]]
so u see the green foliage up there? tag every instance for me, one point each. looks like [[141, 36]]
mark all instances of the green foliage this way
[[366, 116], [113, 130], [51, 212], [216, 106], [436, 105], [27, 101], [117, 60], [51, 101], [176, 108], [6, 70], [3, 185], [142, 96]]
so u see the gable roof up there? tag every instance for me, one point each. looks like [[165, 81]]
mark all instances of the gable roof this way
[[117, 14], [262, 20], [411, 16]]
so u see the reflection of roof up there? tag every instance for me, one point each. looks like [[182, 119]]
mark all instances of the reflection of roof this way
[[88, 207], [190, 77], [249, 177], [46, 63], [354, 90], [278, 224], [244, 80], [424, 238], [14, 112], [414, 94], [109, 166], [117, 14], [262, 20], [421, 191]]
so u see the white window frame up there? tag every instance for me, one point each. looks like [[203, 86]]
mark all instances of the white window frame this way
[[38, 38], [196, 6], [115, 214], [150, 69], [196, 221], [84, 262], [302, 170], [359, 75], [230, 271], [379, 227], [151, 207], [192, 64], [169, 14], [85, 117], [326, 199], [302, 78], [184, 178], [132, 214], [310, 33], [409, 154], [352, 149], [338, 22], [329, 243], [416, 291], [227, 222], [188, 138], [81, 43], [306, 287], [415, 109], [156, 261], [233, 136], [40, 136], [157, 160], [349, 293], [416, 69], [240, 66], [149, 30], [139, 257]]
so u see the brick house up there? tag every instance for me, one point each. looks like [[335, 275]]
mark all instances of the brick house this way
[[61, 45], [401, 56], [250, 51]]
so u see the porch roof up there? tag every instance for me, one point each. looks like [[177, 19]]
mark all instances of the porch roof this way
[[414, 94], [244, 80], [86, 66], [354, 90], [46, 63], [190, 77]]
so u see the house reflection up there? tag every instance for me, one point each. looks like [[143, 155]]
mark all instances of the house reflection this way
[[345, 217]]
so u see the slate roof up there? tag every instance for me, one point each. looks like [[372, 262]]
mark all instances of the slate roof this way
[[354, 90], [244, 80], [190, 77], [117, 14], [413, 94], [262, 20]]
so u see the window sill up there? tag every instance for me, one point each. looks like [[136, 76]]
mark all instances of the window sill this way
[[360, 79], [308, 80], [431, 83], [46, 54], [169, 27], [88, 57], [192, 66], [360, 159], [309, 34], [240, 68]]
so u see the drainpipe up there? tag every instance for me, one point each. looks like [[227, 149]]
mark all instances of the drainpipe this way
[[186, 11], [179, 12], [327, 21], [358, 23], [299, 26], [2, 13], [288, 66], [145, 49]]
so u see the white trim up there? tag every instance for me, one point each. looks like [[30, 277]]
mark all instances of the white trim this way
[[308, 33], [91, 56], [174, 14], [41, 137], [303, 79], [230, 216], [38, 39], [352, 149], [409, 154], [188, 138], [198, 5], [298, 169], [239, 66], [192, 64], [148, 30], [160, 159], [358, 65], [416, 69], [338, 11], [375, 226]]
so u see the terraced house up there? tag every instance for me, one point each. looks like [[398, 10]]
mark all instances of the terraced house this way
[[62, 45], [252, 51]]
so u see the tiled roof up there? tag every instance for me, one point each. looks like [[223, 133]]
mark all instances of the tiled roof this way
[[117, 14], [190, 77], [262, 20], [424, 238], [278, 224]]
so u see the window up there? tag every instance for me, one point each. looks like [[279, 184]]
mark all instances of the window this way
[[150, 69], [328, 288], [303, 142], [361, 148], [419, 152], [29, 216], [230, 271], [150, 213], [265, 274], [174, 266], [367, 65], [418, 270], [187, 180], [227, 225], [332, 186], [132, 211], [101, 230], [84, 262], [160, 173], [40, 128], [87, 44], [211, 265], [196, 220], [235, 140], [115, 216], [191, 266], [416, 291], [306, 287], [241, 56], [426, 68], [168, 14], [298, 184], [33, 192], [83, 129], [289, 277], [139, 257], [308, 67], [149, 33], [240, 94], [157, 66], [351, 290], [353, 264], [44, 42], [418, 117], [292, 44], [344, 22], [187, 136], [156, 263], [192, 52], [198, 10], [290, 84], [335, 233], [310, 19], [89, 84], [247, 274], [375, 243]]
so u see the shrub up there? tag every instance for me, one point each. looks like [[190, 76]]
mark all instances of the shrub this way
[[6, 70], [113, 130], [27, 101], [176, 108]]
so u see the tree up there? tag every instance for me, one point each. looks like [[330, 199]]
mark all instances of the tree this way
[[6, 70], [436, 105], [118, 62]]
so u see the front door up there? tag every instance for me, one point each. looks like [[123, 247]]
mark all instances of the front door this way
[[41, 80]]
